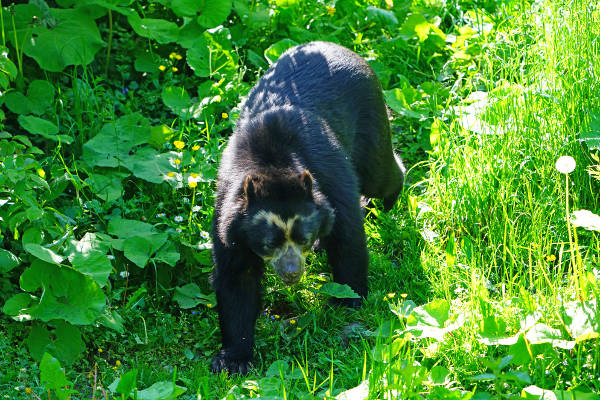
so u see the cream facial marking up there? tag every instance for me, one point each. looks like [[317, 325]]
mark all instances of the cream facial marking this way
[[274, 219]]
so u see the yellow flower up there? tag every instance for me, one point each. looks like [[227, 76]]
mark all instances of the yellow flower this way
[[178, 57], [172, 55], [100, 350], [177, 161], [171, 174], [276, 316], [118, 363], [162, 67], [224, 115], [41, 173], [209, 305], [28, 390], [192, 184], [385, 298], [298, 328], [194, 175], [179, 144], [175, 69], [404, 295], [196, 147], [292, 321], [391, 295], [330, 10], [551, 258]]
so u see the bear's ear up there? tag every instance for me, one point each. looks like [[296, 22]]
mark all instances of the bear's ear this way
[[306, 180], [250, 186]]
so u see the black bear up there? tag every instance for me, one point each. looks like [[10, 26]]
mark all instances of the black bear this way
[[313, 135]]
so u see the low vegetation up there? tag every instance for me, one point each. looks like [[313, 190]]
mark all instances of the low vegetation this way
[[484, 278]]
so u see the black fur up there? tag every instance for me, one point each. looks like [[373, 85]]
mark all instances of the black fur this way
[[319, 109]]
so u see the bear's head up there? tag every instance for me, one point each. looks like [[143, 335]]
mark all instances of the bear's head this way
[[284, 216]]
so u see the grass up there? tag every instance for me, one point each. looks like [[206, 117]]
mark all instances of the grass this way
[[480, 244]]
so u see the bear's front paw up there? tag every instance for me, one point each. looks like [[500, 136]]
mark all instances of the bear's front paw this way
[[223, 362]]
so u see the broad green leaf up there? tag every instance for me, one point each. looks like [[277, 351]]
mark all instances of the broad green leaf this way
[[52, 375], [8, 261], [37, 125], [161, 390], [208, 57], [17, 102], [94, 264], [41, 96], [415, 25], [395, 98], [38, 340], [8, 70], [125, 384], [214, 12], [384, 17], [159, 135], [112, 319], [127, 227], [190, 295], [337, 290], [274, 51], [153, 167], [139, 249], [111, 147], [178, 100], [186, 8], [147, 62], [536, 393], [360, 392], [43, 253], [582, 319], [107, 186], [541, 333], [68, 294], [433, 320], [277, 368], [15, 306], [158, 29], [74, 40], [168, 254]]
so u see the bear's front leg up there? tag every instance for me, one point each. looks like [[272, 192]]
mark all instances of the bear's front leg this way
[[347, 252], [236, 281]]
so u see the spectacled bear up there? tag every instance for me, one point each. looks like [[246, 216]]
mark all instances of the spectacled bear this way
[[313, 135]]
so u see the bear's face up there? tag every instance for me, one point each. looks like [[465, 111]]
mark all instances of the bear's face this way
[[283, 223]]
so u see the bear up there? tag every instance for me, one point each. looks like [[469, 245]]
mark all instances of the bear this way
[[313, 135]]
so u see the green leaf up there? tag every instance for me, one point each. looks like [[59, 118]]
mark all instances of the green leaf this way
[[15, 305], [17, 102], [433, 320], [541, 333], [161, 390], [168, 254], [208, 57], [582, 319], [396, 99], [52, 375], [153, 167], [127, 227], [125, 384], [384, 17], [158, 29], [37, 125], [536, 393], [41, 96], [415, 25], [74, 40], [139, 249], [8, 261], [178, 100], [277, 368], [111, 147], [274, 51], [107, 186], [214, 12], [68, 294], [159, 135], [337, 290], [94, 264], [190, 295], [43, 253], [112, 319]]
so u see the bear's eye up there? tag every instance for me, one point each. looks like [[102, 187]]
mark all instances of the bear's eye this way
[[300, 234], [273, 238]]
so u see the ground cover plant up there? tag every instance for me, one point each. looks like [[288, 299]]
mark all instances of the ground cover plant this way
[[483, 278]]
